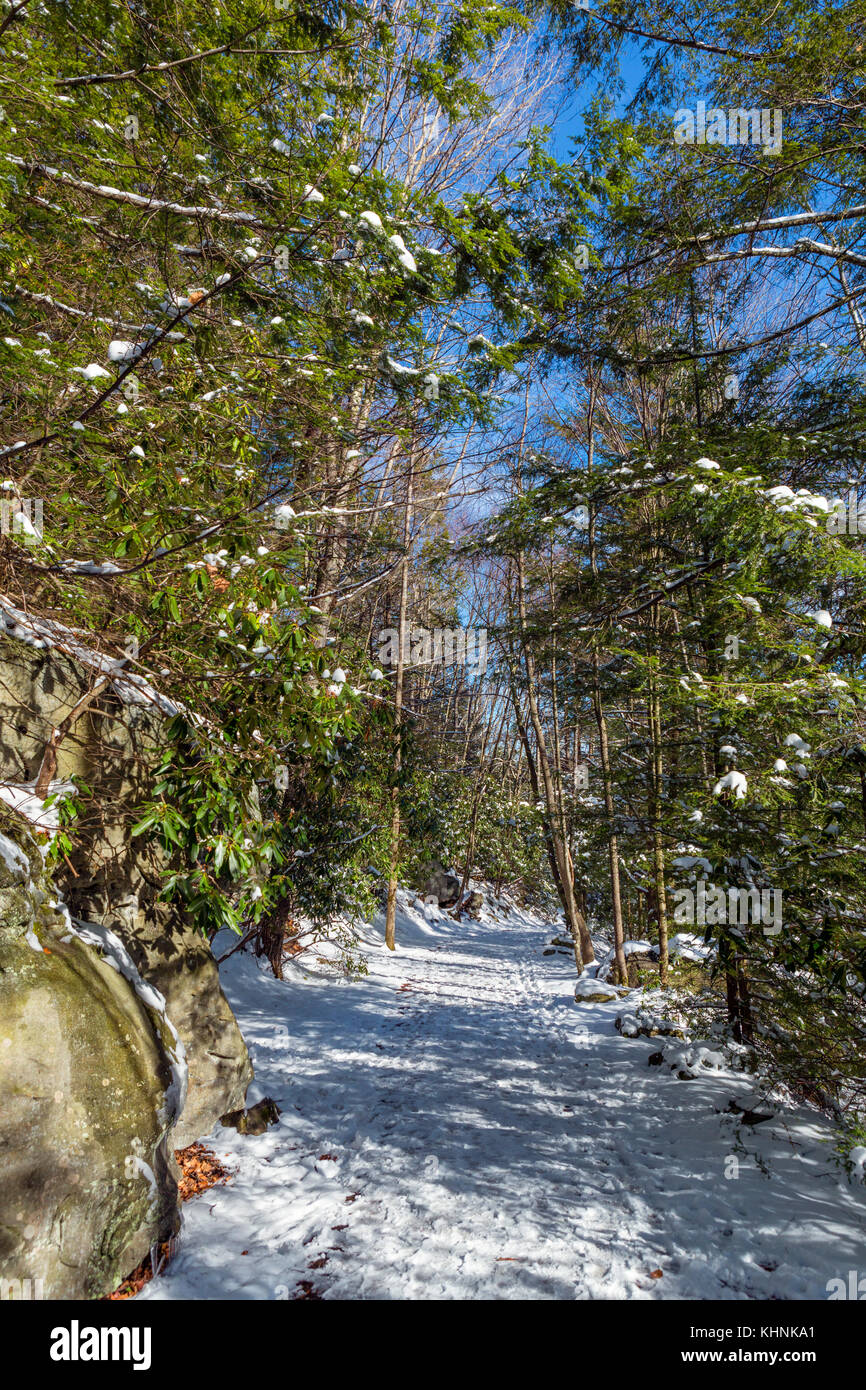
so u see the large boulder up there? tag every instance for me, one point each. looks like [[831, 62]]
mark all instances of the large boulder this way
[[178, 961], [91, 1078], [112, 879], [436, 882]]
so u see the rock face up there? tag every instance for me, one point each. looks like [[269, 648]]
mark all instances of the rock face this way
[[87, 1131], [114, 880], [88, 1097], [439, 884], [179, 963]]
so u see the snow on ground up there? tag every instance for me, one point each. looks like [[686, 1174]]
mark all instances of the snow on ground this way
[[455, 1126]]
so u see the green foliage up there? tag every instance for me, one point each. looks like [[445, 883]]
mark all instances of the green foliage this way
[[222, 294]]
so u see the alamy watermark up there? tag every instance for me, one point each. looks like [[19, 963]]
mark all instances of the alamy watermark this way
[[21, 1290], [21, 517], [846, 516], [735, 127], [438, 646], [709, 905], [854, 1289], [77, 1343]]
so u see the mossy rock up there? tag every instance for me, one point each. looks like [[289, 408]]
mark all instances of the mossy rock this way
[[88, 1185], [114, 879], [601, 994]]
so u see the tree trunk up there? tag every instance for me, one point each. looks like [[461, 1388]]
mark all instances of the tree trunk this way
[[612, 845], [656, 783], [535, 788], [391, 909], [477, 799], [583, 952]]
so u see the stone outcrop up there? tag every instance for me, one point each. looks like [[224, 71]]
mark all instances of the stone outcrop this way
[[113, 881], [112, 878], [179, 963], [436, 882], [89, 1097]]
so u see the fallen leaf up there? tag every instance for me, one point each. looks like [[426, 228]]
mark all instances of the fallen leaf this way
[[142, 1274], [308, 1290], [200, 1169]]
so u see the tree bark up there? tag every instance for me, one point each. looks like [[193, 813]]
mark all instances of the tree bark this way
[[583, 952], [397, 765], [656, 784], [612, 844]]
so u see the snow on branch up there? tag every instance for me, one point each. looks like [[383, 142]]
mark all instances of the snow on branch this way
[[137, 200]]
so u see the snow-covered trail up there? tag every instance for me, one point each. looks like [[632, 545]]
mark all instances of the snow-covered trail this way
[[455, 1126]]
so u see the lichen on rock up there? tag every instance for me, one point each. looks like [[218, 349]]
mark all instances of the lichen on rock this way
[[88, 1182]]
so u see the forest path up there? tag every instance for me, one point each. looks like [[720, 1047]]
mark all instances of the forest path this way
[[455, 1126]]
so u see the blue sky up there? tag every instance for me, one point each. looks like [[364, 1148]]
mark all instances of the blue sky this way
[[568, 126]]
